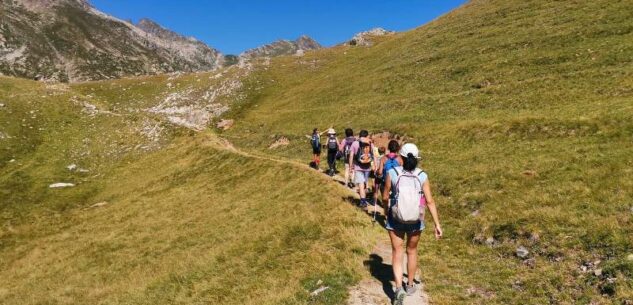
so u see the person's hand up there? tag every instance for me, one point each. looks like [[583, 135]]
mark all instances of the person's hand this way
[[438, 232]]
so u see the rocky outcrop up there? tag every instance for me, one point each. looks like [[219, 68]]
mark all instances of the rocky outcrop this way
[[365, 38], [282, 47], [69, 40]]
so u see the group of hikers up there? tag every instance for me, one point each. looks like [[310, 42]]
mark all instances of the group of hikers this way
[[405, 190]]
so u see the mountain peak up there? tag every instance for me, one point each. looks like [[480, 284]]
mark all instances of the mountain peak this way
[[283, 47], [123, 48], [305, 42]]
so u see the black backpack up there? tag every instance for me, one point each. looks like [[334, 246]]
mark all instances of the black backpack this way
[[364, 155], [332, 144], [348, 147]]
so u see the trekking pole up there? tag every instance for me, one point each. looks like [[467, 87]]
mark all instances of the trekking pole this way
[[375, 199]]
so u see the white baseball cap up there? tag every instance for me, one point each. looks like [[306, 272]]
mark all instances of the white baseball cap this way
[[410, 148], [331, 131]]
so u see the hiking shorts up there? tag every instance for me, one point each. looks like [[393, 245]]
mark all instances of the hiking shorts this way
[[361, 177], [393, 225], [316, 150]]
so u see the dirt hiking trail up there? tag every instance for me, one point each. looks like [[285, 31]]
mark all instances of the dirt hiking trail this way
[[377, 286]]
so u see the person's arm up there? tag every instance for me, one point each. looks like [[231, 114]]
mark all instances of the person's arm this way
[[385, 194], [381, 166], [351, 158], [373, 158], [430, 202]]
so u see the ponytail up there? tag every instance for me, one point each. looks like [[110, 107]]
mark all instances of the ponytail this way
[[410, 163]]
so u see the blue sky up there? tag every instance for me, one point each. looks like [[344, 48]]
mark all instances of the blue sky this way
[[233, 26]]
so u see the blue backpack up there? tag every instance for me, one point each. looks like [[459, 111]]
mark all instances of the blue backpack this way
[[391, 163]]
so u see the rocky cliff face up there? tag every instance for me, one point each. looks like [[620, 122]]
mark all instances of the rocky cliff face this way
[[282, 47], [69, 40]]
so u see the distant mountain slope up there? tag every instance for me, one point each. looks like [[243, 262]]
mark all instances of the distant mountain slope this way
[[283, 47], [69, 40]]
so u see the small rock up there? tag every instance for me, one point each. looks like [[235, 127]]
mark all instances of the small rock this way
[[517, 285], [12, 160], [522, 252], [83, 170], [60, 185], [319, 283], [100, 204], [529, 173], [490, 241], [283, 141], [583, 268], [475, 213], [319, 290], [597, 272], [630, 257], [535, 237], [530, 262], [72, 167], [1, 105], [225, 124]]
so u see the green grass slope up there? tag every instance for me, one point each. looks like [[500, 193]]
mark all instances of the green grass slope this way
[[523, 112], [190, 224], [179, 220]]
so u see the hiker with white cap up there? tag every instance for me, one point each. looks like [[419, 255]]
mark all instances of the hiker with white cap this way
[[332, 151], [407, 193]]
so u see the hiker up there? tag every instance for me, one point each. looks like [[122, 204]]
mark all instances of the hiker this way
[[332, 151], [362, 160], [345, 149], [390, 160], [406, 188], [378, 179], [315, 142]]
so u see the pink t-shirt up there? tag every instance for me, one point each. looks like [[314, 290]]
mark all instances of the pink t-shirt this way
[[354, 149]]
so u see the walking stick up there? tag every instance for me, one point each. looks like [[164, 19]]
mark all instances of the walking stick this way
[[375, 198]]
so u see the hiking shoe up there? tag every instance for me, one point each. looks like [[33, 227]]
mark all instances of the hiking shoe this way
[[399, 297], [411, 289]]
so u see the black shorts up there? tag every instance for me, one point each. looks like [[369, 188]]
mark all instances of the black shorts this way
[[316, 150]]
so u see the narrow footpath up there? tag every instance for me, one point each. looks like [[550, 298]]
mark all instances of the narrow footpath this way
[[377, 286]]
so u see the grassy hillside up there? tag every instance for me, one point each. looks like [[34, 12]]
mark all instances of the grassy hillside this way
[[179, 219], [186, 225], [523, 111]]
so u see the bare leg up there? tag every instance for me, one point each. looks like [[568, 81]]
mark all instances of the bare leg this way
[[412, 255], [397, 242]]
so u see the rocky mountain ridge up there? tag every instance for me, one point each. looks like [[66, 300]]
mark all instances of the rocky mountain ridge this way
[[283, 47], [70, 40]]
